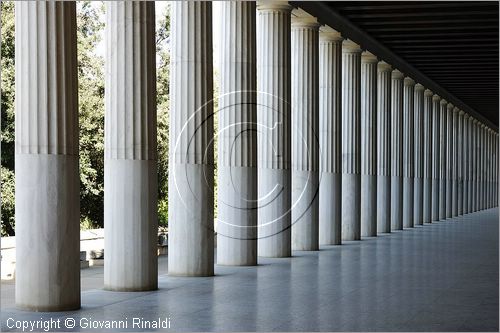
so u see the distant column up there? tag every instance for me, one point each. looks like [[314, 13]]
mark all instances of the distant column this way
[[454, 160], [460, 163], [466, 163], [449, 160], [305, 144], [368, 144], [436, 117], [384, 147], [473, 159], [419, 160], [130, 159], [351, 140], [443, 144], [237, 165], [191, 168], [274, 129], [427, 147], [480, 177], [330, 107], [408, 151], [46, 157], [397, 150]]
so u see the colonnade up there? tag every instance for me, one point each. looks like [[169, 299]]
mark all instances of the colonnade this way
[[320, 142]]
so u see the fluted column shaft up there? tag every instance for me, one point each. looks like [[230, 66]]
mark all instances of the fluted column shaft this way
[[237, 153], [460, 179], [418, 142], [480, 174], [397, 150], [351, 139], [330, 80], [443, 151], [191, 233], [408, 151], [427, 148], [368, 144], [465, 164], [488, 170], [305, 144], [384, 72], [46, 157], [449, 159], [274, 132], [130, 160], [436, 158]]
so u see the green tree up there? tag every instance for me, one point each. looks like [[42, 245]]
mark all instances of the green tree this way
[[7, 116]]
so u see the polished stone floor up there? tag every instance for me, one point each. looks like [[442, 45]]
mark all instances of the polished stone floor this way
[[439, 277]]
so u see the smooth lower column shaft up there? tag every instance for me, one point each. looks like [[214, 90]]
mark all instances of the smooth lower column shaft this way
[[274, 129], [443, 143], [351, 139], [384, 72], [130, 159], [191, 219], [428, 161], [408, 146], [46, 157], [436, 113], [237, 153], [330, 107], [419, 160], [305, 144], [397, 150], [368, 144]]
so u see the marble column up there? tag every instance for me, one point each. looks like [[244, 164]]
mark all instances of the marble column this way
[[443, 144], [488, 169], [397, 150], [454, 161], [305, 144], [330, 80], [427, 148], [436, 158], [481, 167], [384, 72], [237, 153], [368, 144], [191, 219], [46, 157], [449, 159], [465, 163], [408, 151], [473, 160], [460, 163], [418, 142], [130, 159], [351, 140], [274, 129]]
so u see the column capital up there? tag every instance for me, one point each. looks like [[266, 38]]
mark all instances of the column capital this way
[[383, 66], [368, 57], [449, 106], [348, 46], [328, 34], [419, 87], [436, 98], [474, 120], [428, 93], [397, 74], [461, 113], [466, 115], [408, 81], [310, 22], [443, 102], [281, 6]]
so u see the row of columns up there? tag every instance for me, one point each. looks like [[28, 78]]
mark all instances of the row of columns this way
[[319, 143]]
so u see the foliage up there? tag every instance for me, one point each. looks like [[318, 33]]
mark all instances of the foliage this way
[[7, 117]]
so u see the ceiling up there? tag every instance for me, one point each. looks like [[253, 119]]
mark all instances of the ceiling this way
[[453, 43]]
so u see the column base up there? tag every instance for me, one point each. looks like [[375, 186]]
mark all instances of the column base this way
[[305, 227], [396, 203], [408, 202], [383, 204], [330, 202], [368, 205], [351, 217], [418, 201]]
